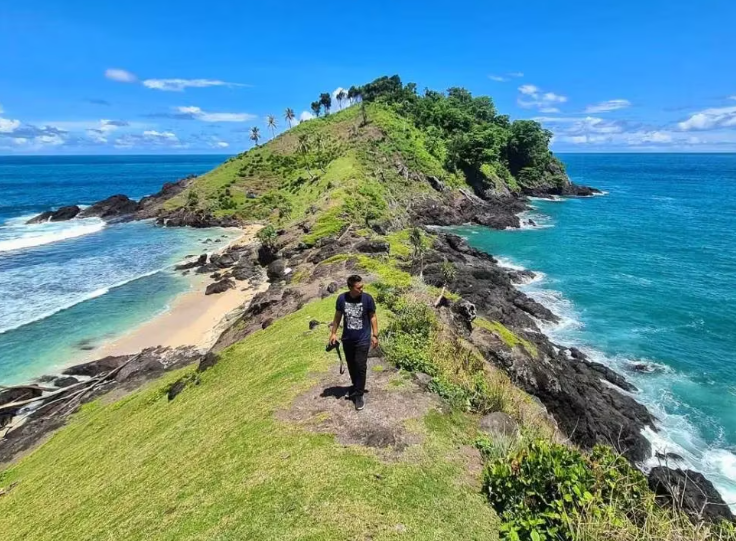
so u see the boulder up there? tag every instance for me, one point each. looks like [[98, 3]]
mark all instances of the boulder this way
[[521, 276], [332, 287], [499, 424], [691, 492], [220, 286], [201, 260], [373, 247], [228, 260], [422, 379], [65, 381], [313, 323], [60, 215], [16, 394], [95, 368], [267, 255], [277, 270], [113, 206], [466, 310]]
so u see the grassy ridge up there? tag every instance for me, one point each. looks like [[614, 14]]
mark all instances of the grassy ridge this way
[[215, 464]]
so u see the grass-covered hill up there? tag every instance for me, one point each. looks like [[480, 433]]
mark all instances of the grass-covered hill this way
[[476, 427]]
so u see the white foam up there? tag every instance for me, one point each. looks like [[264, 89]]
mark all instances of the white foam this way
[[82, 298], [506, 263], [32, 235]]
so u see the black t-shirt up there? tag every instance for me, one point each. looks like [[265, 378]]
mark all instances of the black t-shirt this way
[[357, 314]]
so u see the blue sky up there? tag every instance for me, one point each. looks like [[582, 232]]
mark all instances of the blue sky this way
[[81, 77]]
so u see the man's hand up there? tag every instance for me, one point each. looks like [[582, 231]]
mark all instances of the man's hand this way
[[374, 342], [333, 337]]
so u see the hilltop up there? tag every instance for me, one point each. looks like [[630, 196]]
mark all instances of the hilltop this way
[[477, 424]]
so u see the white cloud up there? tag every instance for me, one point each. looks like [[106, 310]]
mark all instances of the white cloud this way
[[529, 90], [198, 114], [306, 115], [730, 98], [532, 97], [160, 136], [709, 119], [178, 85], [1, 109], [221, 144], [610, 105], [7, 125], [498, 78], [516, 74], [120, 76]]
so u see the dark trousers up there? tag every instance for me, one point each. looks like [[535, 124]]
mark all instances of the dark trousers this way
[[356, 355]]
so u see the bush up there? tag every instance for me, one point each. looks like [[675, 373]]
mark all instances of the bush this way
[[542, 491]]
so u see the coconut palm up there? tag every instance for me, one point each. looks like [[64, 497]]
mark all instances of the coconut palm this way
[[340, 97], [304, 147], [289, 115], [316, 107], [255, 134], [271, 123]]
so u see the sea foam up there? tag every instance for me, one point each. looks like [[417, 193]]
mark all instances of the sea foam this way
[[19, 236]]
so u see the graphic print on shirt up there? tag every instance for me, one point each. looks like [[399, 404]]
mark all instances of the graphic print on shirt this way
[[354, 316]]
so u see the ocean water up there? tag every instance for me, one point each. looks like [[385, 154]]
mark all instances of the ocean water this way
[[647, 274], [71, 285]]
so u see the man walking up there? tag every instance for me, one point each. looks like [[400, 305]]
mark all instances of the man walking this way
[[359, 333]]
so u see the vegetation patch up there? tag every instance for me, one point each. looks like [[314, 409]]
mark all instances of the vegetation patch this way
[[508, 337]]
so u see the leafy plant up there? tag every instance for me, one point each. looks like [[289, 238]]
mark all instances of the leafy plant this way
[[267, 236]]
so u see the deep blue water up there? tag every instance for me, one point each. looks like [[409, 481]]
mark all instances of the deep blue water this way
[[68, 284], [647, 273]]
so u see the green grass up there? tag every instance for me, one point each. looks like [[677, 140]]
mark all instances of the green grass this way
[[216, 464], [508, 337]]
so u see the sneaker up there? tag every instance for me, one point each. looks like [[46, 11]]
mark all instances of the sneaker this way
[[359, 402]]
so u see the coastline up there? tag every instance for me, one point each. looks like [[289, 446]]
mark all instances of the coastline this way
[[192, 319]]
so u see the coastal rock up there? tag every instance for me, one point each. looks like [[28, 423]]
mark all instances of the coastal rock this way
[[227, 260], [65, 381], [267, 254], [113, 206], [220, 286], [567, 190], [149, 205], [690, 492], [521, 276], [373, 247], [277, 271], [436, 183], [186, 217], [62, 214], [201, 260], [95, 368], [16, 394], [467, 312], [499, 424]]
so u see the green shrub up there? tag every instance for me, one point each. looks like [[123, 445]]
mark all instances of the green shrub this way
[[541, 491]]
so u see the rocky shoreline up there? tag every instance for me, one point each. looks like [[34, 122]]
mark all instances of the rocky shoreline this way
[[590, 403]]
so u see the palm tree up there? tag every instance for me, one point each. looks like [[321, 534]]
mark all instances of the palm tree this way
[[271, 123], [340, 97], [255, 134], [316, 107], [304, 148], [289, 115], [326, 101]]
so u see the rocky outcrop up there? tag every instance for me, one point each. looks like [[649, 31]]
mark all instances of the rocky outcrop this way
[[584, 397], [565, 190], [149, 206], [220, 286], [689, 492], [185, 217], [112, 207], [454, 209], [64, 213], [374, 246]]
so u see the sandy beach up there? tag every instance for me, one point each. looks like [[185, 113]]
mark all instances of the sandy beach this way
[[194, 319]]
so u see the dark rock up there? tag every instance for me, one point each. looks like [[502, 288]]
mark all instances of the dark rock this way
[[65, 381], [277, 270], [499, 424], [575, 353], [313, 323], [466, 310], [382, 228], [266, 322], [149, 206], [436, 183], [17, 394], [332, 287], [177, 387], [566, 190], [668, 456], [227, 260], [521, 276], [267, 255], [186, 217], [690, 492], [113, 206], [95, 368], [373, 247], [208, 361], [251, 195], [215, 276], [220, 286], [532, 223], [201, 260], [64, 213], [245, 273]]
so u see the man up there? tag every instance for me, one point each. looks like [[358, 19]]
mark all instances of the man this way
[[359, 333]]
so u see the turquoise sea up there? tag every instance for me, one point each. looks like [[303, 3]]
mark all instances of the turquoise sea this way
[[646, 274], [69, 285]]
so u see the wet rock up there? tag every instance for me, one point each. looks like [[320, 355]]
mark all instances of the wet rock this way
[[689, 491], [201, 260], [186, 217], [65, 381], [220, 286], [113, 206], [17, 394], [499, 424], [521, 276], [62, 214], [668, 456]]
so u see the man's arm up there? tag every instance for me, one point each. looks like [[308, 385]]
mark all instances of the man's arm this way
[[374, 330], [334, 326]]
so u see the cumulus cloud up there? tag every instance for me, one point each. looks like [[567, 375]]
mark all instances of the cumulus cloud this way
[[532, 97], [606, 106], [121, 76], [505, 78], [710, 119], [221, 144], [7, 125], [100, 133], [149, 138], [178, 85], [196, 113], [306, 115]]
